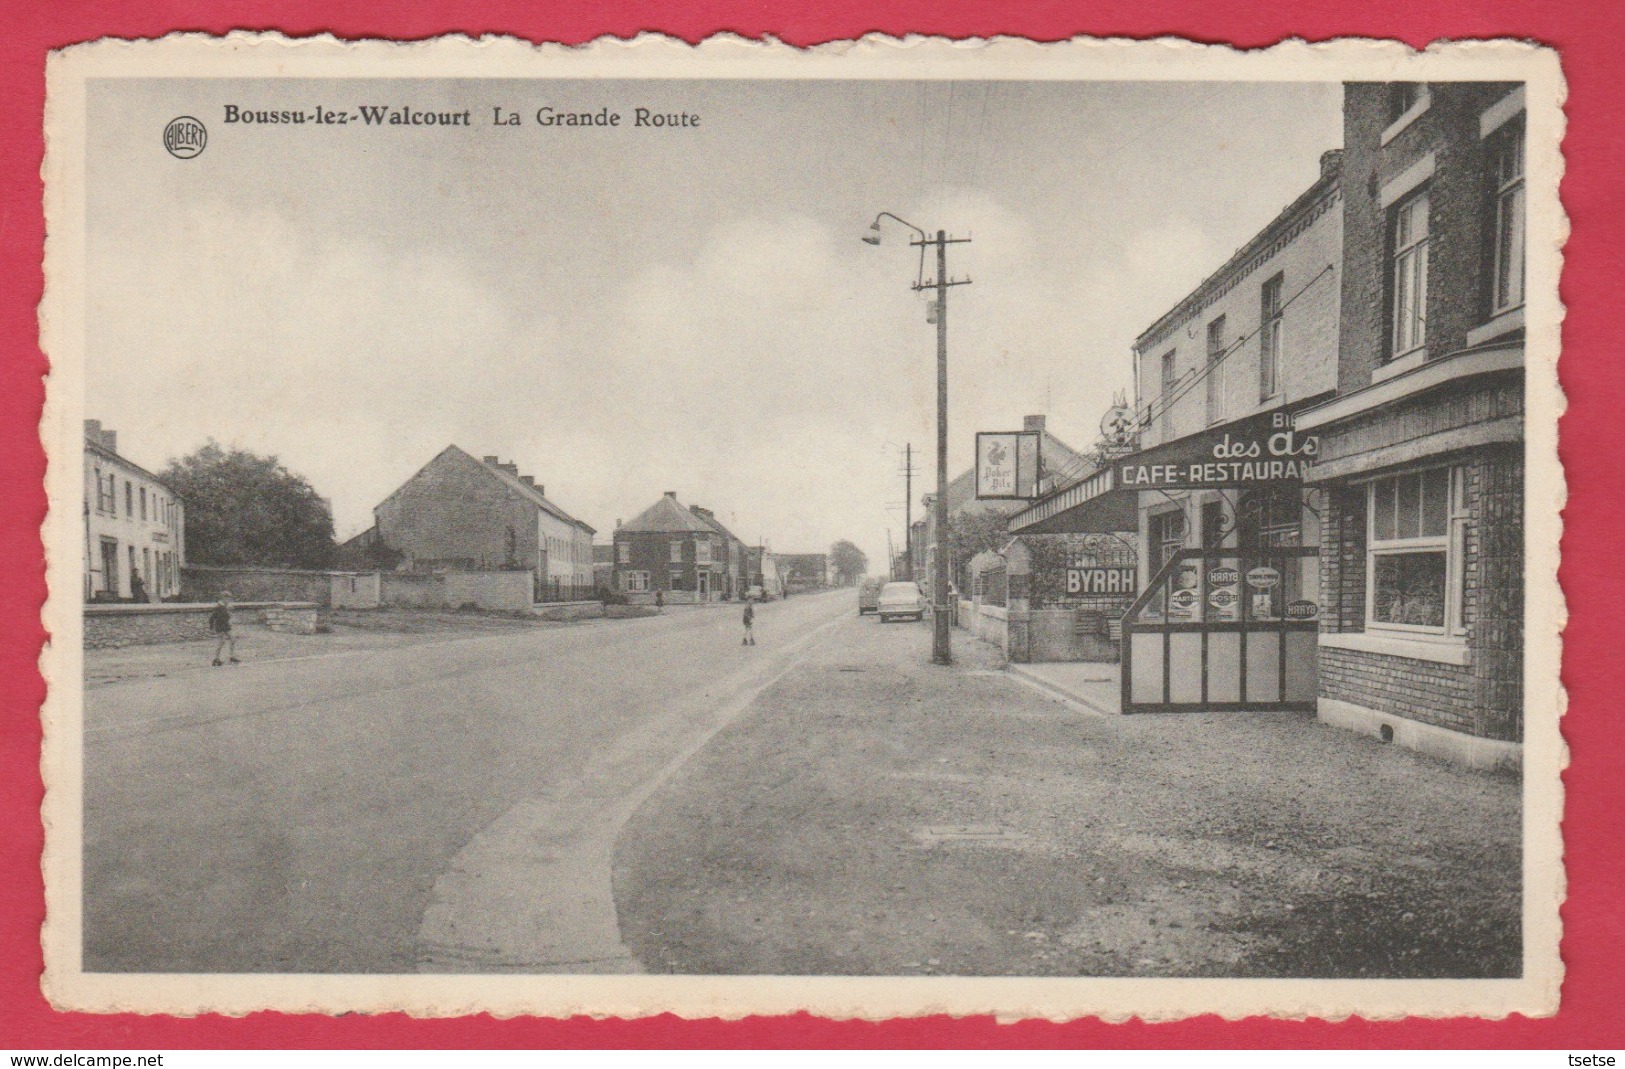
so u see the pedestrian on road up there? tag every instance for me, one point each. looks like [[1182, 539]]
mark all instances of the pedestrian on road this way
[[220, 624], [750, 620], [660, 600]]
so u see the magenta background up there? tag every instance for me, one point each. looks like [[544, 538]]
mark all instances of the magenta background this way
[[1594, 582]]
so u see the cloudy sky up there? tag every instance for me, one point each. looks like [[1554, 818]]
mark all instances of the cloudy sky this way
[[628, 311]]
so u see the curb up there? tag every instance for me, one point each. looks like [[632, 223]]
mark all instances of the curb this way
[[1054, 689]]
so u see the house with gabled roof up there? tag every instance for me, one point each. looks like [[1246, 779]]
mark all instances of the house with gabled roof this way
[[669, 550], [482, 514]]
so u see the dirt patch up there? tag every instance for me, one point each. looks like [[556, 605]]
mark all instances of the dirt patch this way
[[910, 819]]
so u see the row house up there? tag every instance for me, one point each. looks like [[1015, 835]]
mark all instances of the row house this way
[[135, 526], [731, 553], [676, 553], [1421, 451], [460, 512]]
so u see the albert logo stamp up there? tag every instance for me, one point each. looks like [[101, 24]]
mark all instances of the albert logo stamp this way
[[185, 137]]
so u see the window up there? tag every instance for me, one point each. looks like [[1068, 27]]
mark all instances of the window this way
[[1402, 97], [1167, 533], [637, 582], [1414, 551], [702, 551], [129, 498], [143, 502], [1215, 370], [676, 580], [106, 494], [623, 552], [1167, 397], [1507, 149], [677, 553], [1269, 339], [1408, 283]]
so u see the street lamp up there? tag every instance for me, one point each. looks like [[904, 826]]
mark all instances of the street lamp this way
[[940, 605]]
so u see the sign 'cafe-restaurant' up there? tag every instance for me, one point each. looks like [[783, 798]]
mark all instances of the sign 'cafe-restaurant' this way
[[1225, 621]]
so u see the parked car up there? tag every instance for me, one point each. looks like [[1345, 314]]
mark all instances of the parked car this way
[[898, 600], [869, 595]]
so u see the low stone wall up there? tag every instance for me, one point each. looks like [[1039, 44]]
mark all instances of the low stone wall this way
[[571, 610], [627, 612], [489, 591], [990, 623], [117, 626]]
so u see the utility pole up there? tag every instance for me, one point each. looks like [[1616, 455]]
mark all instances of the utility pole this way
[[908, 511], [941, 605]]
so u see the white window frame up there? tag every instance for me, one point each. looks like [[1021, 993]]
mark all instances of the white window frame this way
[[623, 552], [1452, 544], [637, 582], [1408, 260], [702, 552], [1168, 368], [676, 556], [1271, 327], [1215, 371], [1509, 189]]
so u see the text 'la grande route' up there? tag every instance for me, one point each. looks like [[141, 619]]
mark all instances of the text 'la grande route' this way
[[404, 115]]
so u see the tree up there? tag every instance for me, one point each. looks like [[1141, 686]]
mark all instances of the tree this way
[[850, 562], [247, 509], [973, 531]]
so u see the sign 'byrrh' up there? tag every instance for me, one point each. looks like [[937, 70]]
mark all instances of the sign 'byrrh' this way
[[1260, 451]]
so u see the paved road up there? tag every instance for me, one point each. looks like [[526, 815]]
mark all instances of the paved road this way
[[442, 807]]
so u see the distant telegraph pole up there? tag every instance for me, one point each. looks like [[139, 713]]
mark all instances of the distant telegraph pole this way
[[941, 607], [908, 511]]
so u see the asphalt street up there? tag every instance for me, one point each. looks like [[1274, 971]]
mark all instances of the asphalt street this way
[[448, 806]]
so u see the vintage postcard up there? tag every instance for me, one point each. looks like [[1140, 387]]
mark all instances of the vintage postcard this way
[[902, 527]]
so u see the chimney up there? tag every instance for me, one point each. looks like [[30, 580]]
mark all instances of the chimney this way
[[93, 430], [540, 489], [672, 494], [1033, 423], [491, 460], [702, 511], [617, 523], [1331, 163], [528, 480], [511, 468]]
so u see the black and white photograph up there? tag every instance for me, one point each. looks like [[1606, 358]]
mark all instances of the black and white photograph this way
[[904, 528]]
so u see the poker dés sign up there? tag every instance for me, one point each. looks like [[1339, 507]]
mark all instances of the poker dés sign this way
[[1260, 451]]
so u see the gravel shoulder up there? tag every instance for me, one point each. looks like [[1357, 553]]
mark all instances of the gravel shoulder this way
[[873, 814]]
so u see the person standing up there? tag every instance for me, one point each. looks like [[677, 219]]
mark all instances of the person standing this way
[[138, 589], [220, 625], [660, 600], [750, 620]]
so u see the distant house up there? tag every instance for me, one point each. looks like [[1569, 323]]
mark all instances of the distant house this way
[[733, 560], [135, 526], [460, 512], [669, 550], [762, 570], [804, 571], [603, 565]]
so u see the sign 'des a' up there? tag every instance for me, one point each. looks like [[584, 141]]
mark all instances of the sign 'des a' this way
[[1007, 465]]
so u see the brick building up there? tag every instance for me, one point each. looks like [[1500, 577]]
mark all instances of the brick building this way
[[733, 557], [1421, 451], [135, 526], [462, 513], [1259, 336], [669, 549]]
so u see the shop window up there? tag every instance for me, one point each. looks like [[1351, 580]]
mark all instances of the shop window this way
[[1507, 152], [1408, 276], [1215, 370], [1414, 551], [1269, 339]]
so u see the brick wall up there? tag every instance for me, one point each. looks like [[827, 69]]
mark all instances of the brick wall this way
[[1483, 698], [1459, 219]]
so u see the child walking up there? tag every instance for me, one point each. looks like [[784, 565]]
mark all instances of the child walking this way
[[220, 624], [750, 619]]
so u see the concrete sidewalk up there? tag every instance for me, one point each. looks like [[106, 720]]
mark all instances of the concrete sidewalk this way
[[1094, 685]]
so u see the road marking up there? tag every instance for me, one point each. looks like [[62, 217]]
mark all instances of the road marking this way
[[533, 892]]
